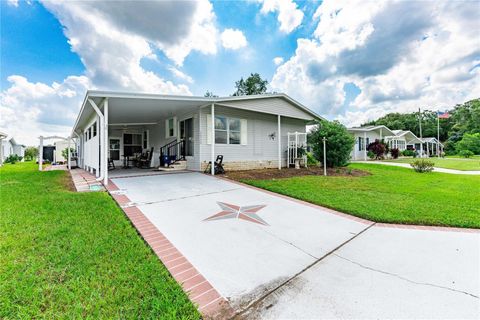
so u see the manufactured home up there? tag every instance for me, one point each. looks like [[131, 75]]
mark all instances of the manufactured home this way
[[364, 136], [114, 128]]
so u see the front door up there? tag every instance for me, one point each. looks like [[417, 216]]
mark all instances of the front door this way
[[186, 133]]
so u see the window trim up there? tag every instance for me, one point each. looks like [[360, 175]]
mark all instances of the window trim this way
[[227, 120]]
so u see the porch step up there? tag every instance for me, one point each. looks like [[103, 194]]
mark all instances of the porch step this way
[[178, 165]]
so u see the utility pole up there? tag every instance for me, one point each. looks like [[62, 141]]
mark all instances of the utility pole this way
[[324, 156], [438, 135], [421, 138]]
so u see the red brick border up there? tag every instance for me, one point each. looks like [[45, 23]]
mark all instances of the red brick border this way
[[345, 215], [210, 303]]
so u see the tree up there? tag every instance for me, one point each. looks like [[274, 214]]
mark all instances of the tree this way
[[65, 153], [339, 142], [470, 142], [31, 153], [254, 84], [209, 94]]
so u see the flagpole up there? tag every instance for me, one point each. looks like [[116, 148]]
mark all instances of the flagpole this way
[[438, 135], [421, 138]]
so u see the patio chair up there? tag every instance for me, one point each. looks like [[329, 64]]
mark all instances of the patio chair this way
[[145, 162], [111, 164], [218, 166]]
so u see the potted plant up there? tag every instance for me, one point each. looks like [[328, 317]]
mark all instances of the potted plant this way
[[301, 152]]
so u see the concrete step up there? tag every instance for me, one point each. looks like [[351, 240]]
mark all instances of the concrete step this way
[[178, 165]]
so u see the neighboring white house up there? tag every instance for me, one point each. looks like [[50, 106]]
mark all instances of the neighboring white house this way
[[401, 139], [9, 146], [431, 146], [364, 136], [249, 131]]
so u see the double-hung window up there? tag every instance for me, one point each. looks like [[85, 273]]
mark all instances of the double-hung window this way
[[228, 130], [170, 127]]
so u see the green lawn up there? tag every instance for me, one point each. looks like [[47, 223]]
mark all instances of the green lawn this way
[[449, 163], [390, 194], [75, 255]]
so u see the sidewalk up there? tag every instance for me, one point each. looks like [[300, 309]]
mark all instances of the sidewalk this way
[[406, 165]]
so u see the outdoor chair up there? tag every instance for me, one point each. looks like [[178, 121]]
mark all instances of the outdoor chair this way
[[218, 166], [145, 162], [111, 164]]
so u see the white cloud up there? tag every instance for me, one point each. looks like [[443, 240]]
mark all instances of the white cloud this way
[[13, 3], [32, 109], [289, 16], [401, 54], [180, 74], [111, 38], [233, 39], [278, 61]]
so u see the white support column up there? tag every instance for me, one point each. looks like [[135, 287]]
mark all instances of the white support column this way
[[107, 147], [212, 169], [40, 154], [68, 153], [365, 146], [279, 130]]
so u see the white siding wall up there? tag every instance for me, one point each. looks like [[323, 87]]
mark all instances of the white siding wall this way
[[270, 105], [92, 147], [259, 146], [356, 153]]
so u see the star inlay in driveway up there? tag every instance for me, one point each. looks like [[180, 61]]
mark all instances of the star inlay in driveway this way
[[230, 211]]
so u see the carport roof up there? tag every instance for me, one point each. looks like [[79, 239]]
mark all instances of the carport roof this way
[[152, 106]]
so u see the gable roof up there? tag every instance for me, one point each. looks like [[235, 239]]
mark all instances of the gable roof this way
[[371, 128], [171, 103]]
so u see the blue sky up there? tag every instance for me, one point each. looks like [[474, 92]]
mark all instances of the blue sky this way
[[351, 61]]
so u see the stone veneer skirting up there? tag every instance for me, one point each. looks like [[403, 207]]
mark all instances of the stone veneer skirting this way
[[247, 165]]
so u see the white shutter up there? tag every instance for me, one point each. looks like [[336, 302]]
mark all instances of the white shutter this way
[[209, 129], [243, 131], [166, 128]]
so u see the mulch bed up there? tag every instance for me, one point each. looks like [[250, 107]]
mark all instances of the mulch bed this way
[[266, 174]]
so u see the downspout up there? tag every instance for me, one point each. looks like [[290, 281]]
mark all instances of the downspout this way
[[102, 128]]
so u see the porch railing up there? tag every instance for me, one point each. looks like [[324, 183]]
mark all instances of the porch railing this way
[[171, 152]]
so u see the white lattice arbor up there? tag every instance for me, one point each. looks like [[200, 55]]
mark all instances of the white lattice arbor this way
[[40, 149], [296, 147]]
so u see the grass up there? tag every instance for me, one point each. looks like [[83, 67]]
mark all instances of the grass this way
[[471, 164], [391, 195], [75, 255]]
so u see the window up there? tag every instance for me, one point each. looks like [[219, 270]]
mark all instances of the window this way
[[221, 130], [227, 130], [94, 129], [132, 143], [145, 139], [89, 133], [360, 144], [170, 127], [234, 129]]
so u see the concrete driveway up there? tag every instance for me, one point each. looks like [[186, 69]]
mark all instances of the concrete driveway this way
[[272, 257]]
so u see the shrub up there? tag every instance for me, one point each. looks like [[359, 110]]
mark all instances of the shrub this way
[[13, 158], [470, 141], [339, 142], [395, 153], [311, 161], [408, 153], [466, 153], [377, 148], [370, 154], [422, 165]]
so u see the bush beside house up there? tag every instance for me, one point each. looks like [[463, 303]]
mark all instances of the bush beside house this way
[[339, 143]]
